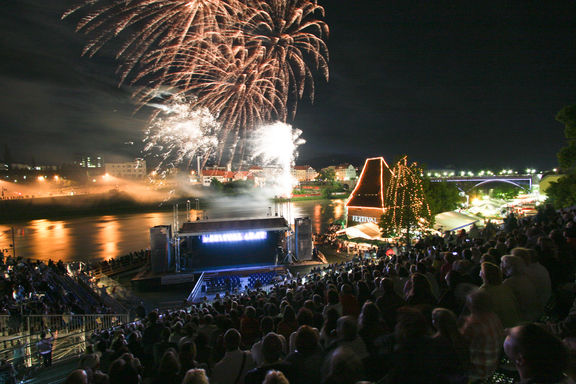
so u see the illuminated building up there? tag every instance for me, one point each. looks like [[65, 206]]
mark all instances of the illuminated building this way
[[303, 173], [134, 170], [344, 172], [366, 202]]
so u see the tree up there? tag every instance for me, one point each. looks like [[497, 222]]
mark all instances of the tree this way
[[441, 196], [567, 155], [563, 192], [327, 175], [405, 205]]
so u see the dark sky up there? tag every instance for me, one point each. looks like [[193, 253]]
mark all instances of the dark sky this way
[[467, 83]]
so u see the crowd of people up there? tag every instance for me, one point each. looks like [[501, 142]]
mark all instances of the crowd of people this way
[[451, 309], [37, 288]]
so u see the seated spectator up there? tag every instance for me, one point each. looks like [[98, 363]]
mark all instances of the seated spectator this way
[[328, 332], [77, 376], [307, 358], [538, 356], [168, 369], [347, 332], [537, 274], [504, 302], [420, 293], [275, 377], [456, 359], [195, 376], [272, 360], [484, 332], [525, 292], [389, 302], [344, 367], [235, 363]]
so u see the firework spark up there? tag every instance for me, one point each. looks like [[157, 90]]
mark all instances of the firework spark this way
[[154, 31], [276, 146], [179, 133], [291, 34]]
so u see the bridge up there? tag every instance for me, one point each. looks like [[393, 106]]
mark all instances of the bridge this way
[[467, 183]]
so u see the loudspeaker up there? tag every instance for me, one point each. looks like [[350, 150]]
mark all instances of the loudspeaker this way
[[303, 235], [160, 249]]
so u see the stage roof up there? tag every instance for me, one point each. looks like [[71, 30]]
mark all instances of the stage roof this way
[[201, 227]]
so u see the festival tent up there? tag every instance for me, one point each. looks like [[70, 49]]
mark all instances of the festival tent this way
[[451, 221], [368, 231]]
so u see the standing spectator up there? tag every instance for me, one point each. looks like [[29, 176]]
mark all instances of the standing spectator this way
[[45, 348]]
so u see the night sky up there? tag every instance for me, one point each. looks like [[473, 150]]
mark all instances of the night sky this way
[[471, 84]]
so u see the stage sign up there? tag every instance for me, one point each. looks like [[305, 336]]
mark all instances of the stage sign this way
[[234, 237]]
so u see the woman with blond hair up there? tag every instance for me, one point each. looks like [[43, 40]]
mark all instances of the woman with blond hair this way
[[195, 376]]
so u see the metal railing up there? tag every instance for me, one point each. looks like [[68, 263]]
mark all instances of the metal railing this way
[[34, 324]]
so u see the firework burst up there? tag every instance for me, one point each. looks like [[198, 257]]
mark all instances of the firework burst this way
[[247, 62], [179, 132]]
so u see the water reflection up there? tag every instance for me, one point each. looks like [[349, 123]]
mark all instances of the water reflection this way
[[108, 236], [105, 237]]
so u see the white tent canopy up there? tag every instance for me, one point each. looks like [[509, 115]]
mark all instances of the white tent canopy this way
[[369, 231], [451, 221]]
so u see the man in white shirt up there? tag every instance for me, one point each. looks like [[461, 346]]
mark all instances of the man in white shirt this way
[[235, 364]]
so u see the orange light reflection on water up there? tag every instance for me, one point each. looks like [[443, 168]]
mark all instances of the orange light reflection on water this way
[[53, 238], [108, 236]]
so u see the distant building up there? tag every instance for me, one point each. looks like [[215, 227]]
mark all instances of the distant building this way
[[133, 170], [303, 173], [89, 161], [221, 175], [344, 172]]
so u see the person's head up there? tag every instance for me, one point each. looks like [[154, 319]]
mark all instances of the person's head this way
[[195, 376], [347, 328], [275, 377], [232, 339], [305, 317], [445, 322], [410, 324], [77, 376], [420, 284], [524, 253], [512, 265], [537, 354], [169, 363], [333, 297], [491, 274], [124, 371], [266, 325], [306, 339], [370, 314], [479, 302], [271, 348], [289, 314], [187, 352], [345, 366], [387, 285]]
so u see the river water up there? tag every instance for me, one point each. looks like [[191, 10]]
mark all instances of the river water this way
[[104, 237]]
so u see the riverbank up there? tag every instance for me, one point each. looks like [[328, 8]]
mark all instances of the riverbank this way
[[67, 207]]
